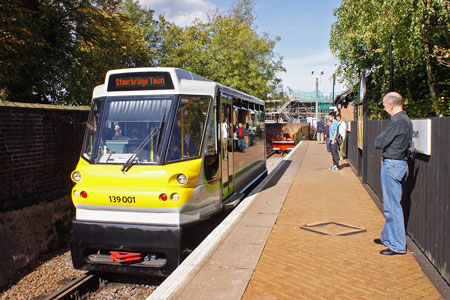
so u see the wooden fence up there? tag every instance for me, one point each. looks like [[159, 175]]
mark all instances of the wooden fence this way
[[427, 196]]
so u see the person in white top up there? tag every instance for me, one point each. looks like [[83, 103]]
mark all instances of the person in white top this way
[[343, 134], [225, 138]]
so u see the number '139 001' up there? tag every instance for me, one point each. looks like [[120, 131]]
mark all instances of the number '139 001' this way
[[122, 199]]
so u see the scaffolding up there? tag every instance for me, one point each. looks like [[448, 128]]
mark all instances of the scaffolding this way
[[299, 109]]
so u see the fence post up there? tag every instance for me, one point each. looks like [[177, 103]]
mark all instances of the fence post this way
[[363, 102], [365, 137]]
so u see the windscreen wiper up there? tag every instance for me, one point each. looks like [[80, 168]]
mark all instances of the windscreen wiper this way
[[126, 166]]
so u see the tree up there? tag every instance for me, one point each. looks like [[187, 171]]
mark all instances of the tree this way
[[119, 37], [35, 35], [57, 51], [363, 33], [226, 49]]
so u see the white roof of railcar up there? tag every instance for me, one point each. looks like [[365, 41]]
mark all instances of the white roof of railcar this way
[[184, 82]]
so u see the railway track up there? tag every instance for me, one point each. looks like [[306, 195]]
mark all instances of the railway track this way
[[94, 285], [75, 289], [270, 153]]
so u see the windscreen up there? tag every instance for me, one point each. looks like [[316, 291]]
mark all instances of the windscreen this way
[[126, 127]]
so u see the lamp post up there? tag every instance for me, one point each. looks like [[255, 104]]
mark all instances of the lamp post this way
[[334, 82], [317, 95]]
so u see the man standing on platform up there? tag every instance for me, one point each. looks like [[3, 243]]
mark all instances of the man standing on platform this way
[[320, 132], [343, 135], [334, 130], [394, 141]]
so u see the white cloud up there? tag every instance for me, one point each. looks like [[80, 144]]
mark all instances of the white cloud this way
[[181, 12]]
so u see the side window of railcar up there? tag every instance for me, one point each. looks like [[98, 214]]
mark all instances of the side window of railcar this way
[[93, 128], [211, 137], [189, 126], [211, 163]]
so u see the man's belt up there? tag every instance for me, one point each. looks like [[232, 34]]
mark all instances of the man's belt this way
[[386, 158]]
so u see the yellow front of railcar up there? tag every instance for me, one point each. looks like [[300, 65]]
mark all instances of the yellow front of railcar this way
[[140, 177], [142, 187]]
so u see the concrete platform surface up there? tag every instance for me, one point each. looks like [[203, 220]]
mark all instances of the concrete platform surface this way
[[306, 233]]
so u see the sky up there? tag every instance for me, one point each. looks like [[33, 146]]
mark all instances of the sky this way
[[303, 27]]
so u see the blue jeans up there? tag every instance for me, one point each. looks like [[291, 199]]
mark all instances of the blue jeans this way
[[393, 177], [241, 144]]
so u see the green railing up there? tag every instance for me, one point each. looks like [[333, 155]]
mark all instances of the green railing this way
[[311, 96]]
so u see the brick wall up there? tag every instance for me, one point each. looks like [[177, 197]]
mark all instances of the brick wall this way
[[39, 148]]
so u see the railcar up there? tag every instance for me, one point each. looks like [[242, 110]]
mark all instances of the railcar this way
[[161, 152]]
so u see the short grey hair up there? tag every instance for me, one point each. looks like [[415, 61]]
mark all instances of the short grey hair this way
[[394, 98]]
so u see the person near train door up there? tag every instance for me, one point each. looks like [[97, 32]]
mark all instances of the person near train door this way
[[225, 132], [250, 134], [394, 140], [334, 148], [241, 133]]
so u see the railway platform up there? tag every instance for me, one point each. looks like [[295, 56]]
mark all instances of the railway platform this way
[[305, 233]]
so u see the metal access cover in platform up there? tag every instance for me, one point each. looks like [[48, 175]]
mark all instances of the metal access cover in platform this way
[[333, 228]]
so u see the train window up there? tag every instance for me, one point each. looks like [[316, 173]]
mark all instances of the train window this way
[[133, 128], [211, 160], [211, 137], [93, 127], [189, 126]]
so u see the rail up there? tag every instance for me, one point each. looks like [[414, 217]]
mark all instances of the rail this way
[[75, 289]]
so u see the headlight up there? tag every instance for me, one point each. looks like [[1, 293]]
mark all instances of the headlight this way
[[181, 179], [76, 176]]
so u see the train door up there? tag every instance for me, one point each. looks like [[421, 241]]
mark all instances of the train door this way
[[226, 134]]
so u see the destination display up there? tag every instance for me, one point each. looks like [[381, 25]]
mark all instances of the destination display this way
[[140, 81]]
